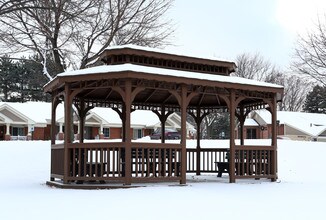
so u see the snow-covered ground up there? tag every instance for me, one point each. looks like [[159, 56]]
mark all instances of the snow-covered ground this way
[[300, 192]]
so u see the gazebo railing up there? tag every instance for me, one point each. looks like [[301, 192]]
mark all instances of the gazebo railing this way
[[250, 161], [57, 161], [96, 161], [254, 161], [107, 162], [208, 159], [155, 161]]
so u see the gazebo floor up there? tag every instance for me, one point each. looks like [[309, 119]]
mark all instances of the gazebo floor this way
[[191, 179], [90, 185]]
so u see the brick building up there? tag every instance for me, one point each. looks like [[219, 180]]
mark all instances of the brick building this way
[[32, 121], [290, 125]]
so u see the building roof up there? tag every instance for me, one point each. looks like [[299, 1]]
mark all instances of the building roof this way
[[40, 113], [138, 118], [250, 122], [311, 123], [37, 112]]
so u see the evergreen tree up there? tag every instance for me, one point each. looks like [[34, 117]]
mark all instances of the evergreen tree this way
[[23, 80], [31, 81], [217, 126], [316, 100], [8, 70]]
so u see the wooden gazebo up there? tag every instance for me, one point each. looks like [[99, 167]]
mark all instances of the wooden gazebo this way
[[149, 79]]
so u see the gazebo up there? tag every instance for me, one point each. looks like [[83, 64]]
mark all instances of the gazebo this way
[[134, 78]]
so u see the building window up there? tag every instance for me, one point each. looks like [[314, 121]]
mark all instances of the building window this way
[[106, 132], [138, 133], [251, 133], [17, 131]]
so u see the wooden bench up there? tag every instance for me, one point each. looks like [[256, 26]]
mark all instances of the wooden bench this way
[[222, 167]]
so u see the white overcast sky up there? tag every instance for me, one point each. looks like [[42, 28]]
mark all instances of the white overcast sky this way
[[227, 28]]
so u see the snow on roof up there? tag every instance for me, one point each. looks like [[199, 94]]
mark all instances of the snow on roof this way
[[171, 51], [166, 72], [39, 112], [311, 123], [250, 122], [107, 114], [138, 118], [143, 117]]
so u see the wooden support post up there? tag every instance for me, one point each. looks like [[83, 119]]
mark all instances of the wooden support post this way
[[198, 119], [123, 119], [183, 134], [163, 116], [274, 138], [68, 131], [82, 112], [127, 135], [53, 124], [82, 116], [242, 119], [232, 137], [53, 120], [183, 99], [198, 122], [163, 120]]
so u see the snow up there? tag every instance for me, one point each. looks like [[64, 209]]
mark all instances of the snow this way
[[250, 122], [164, 51], [27, 109], [166, 72], [300, 192], [139, 118]]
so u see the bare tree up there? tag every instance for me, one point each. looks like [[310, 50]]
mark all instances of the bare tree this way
[[7, 6], [295, 87], [74, 32], [310, 53], [254, 66], [295, 92]]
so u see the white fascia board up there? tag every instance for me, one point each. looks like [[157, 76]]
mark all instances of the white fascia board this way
[[40, 125], [138, 126], [112, 125], [96, 117]]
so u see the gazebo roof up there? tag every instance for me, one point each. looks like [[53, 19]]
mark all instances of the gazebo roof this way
[[166, 54], [111, 69], [158, 72]]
